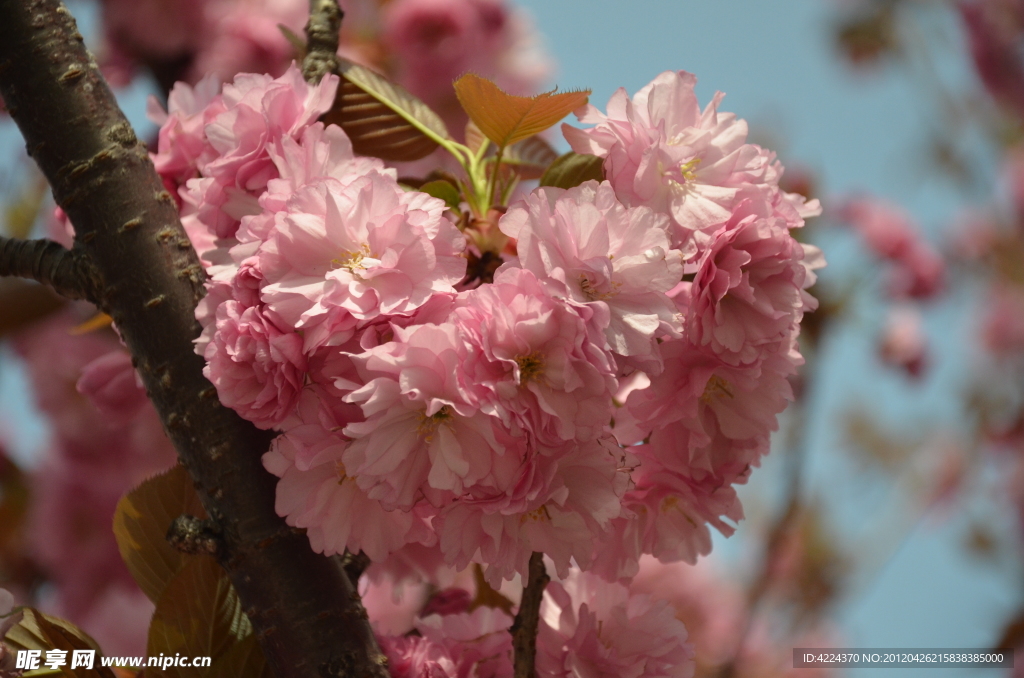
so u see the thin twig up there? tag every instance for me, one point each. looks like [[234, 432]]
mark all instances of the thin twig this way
[[321, 39], [524, 630], [68, 272]]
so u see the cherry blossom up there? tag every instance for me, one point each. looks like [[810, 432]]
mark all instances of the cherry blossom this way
[[662, 151]]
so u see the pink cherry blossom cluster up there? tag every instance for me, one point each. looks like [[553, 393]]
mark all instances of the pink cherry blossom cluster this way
[[106, 439], [588, 626], [917, 269], [481, 425], [422, 44]]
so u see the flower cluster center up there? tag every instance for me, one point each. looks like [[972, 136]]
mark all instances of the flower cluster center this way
[[531, 366], [717, 387], [428, 424], [353, 261]]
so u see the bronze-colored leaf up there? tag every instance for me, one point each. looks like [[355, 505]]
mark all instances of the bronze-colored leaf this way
[[530, 158], [37, 631], [572, 169], [487, 595], [383, 119], [141, 521], [24, 302], [243, 660], [444, 190], [198, 614], [506, 118]]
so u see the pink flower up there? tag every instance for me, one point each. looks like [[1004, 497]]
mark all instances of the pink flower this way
[[667, 514], [1003, 326], [706, 423], [153, 31], [591, 627], [114, 387], [238, 129], [242, 36], [711, 606], [558, 506], [316, 493], [320, 152], [347, 251], [257, 367], [903, 344], [663, 152], [747, 296], [436, 41], [536, 356], [993, 31], [393, 606], [478, 642], [918, 270], [182, 145], [589, 249], [416, 657], [423, 430]]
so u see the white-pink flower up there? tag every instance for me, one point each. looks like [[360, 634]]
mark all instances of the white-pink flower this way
[[182, 145], [561, 503], [662, 151], [423, 431], [918, 270], [747, 296], [594, 628], [478, 642], [535, 355], [347, 251], [256, 363], [232, 154], [316, 493], [588, 248]]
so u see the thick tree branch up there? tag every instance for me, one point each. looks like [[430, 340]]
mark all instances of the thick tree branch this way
[[305, 610], [321, 39], [524, 629], [68, 272]]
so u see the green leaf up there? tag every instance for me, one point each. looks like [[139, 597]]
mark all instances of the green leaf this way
[[572, 169], [141, 521], [244, 660], [383, 119], [199, 614], [475, 138], [296, 41], [444, 190], [506, 118], [530, 158], [37, 631]]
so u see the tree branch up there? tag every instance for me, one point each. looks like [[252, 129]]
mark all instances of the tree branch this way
[[304, 609], [321, 39], [68, 272], [524, 629]]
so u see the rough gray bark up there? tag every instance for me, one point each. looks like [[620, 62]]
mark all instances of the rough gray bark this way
[[307, 616], [322, 39]]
